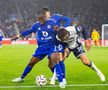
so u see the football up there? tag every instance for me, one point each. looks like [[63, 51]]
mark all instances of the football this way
[[41, 80]]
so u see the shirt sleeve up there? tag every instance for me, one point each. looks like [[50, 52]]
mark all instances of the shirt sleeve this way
[[85, 33], [66, 20], [29, 31]]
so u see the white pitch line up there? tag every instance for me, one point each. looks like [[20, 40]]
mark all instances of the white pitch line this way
[[51, 86]]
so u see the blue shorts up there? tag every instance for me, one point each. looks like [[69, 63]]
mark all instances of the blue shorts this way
[[41, 53], [78, 51]]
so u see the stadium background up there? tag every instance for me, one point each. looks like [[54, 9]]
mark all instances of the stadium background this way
[[13, 58], [91, 13]]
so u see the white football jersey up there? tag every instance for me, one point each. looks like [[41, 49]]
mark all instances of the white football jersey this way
[[73, 39]]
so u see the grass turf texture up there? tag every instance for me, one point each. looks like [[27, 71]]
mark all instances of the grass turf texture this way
[[14, 58]]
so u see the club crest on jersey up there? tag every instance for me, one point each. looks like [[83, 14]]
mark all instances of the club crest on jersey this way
[[48, 26], [44, 33], [39, 28]]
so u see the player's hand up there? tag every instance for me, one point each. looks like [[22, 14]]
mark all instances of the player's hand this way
[[56, 28], [87, 45], [15, 38], [66, 53]]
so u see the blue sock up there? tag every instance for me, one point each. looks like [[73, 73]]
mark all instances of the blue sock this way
[[52, 69], [62, 65], [26, 71], [58, 72]]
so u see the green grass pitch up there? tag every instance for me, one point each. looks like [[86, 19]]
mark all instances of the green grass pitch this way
[[14, 58]]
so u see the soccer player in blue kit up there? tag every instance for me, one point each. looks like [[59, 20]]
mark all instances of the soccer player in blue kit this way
[[1, 37], [58, 19], [47, 45]]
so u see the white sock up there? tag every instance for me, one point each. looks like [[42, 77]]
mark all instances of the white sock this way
[[93, 66], [54, 75]]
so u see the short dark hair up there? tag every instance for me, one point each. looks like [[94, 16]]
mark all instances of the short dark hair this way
[[63, 34], [43, 11], [41, 14]]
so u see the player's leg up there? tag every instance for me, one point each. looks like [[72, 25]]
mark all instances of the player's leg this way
[[90, 64], [62, 56], [54, 77], [28, 68], [30, 65], [51, 65], [55, 57], [60, 49], [62, 65], [80, 53], [62, 69], [37, 56]]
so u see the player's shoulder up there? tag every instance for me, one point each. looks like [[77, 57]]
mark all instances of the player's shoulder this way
[[70, 28], [56, 15], [51, 20], [36, 23]]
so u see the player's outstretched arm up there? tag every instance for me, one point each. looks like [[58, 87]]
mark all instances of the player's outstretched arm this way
[[27, 32], [86, 38], [16, 37], [67, 21]]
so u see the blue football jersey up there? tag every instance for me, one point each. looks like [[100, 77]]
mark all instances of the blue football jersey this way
[[46, 35], [58, 18]]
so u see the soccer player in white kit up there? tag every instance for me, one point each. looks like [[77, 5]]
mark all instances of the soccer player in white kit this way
[[69, 36]]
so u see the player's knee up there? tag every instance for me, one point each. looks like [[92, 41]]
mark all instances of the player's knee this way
[[50, 64], [55, 57], [86, 62], [33, 61], [31, 64], [84, 59]]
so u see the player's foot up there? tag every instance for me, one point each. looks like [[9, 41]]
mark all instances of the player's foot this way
[[17, 80], [64, 81], [52, 82], [100, 74], [62, 85]]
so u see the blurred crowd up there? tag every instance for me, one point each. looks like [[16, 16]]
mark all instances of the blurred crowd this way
[[23, 13]]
